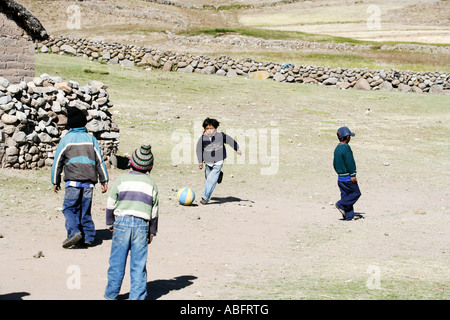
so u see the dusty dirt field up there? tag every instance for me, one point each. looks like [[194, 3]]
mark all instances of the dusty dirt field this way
[[283, 240]]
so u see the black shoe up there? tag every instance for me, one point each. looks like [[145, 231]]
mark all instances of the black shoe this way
[[220, 177], [73, 240], [88, 244], [203, 201], [342, 211]]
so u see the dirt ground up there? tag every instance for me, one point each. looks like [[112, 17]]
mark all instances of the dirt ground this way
[[234, 247]]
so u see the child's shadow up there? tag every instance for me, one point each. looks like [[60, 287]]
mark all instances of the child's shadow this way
[[159, 288], [358, 215], [217, 200], [100, 236]]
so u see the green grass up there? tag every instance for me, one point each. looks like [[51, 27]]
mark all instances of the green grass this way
[[386, 61], [159, 100], [270, 34], [153, 104], [373, 58], [274, 34], [321, 288]]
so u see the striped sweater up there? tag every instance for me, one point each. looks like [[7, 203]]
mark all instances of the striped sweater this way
[[134, 194], [79, 155]]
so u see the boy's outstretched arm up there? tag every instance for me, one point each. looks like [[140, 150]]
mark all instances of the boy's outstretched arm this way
[[231, 142]]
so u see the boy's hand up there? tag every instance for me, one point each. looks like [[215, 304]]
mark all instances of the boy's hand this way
[[104, 188], [150, 238], [57, 188], [354, 180], [200, 166], [239, 152]]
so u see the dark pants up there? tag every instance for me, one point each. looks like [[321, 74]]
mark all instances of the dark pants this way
[[349, 195], [77, 211]]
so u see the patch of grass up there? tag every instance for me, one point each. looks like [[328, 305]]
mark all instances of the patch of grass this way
[[400, 61], [152, 105], [309, 287], [269, 34], [374, 58], [94, 71]]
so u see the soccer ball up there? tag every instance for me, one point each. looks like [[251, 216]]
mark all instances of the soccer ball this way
[[185, 196]]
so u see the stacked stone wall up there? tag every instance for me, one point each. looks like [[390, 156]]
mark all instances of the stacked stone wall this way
[[435, 82], [33, 119]]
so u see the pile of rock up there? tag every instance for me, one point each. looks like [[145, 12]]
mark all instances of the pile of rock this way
[[437, 82], [33, 118], [364, 79]]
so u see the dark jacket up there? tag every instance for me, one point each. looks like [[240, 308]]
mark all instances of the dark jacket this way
[[212, 149]]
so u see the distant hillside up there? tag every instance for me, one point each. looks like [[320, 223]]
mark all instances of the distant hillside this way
[[171, 25], [407, 20]]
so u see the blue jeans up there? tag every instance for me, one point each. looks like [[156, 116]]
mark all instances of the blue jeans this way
[[350, 193], [212, 175], [77, 211], [130, 235]]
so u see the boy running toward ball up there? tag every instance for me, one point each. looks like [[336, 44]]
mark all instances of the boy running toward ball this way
[[211, 150]]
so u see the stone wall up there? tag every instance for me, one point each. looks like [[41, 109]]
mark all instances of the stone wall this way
[[436, 82], [33, 118], [17, 51]]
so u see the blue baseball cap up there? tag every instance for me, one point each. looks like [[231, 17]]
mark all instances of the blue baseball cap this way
[[344, 132]]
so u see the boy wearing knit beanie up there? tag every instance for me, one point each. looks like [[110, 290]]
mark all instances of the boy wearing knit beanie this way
[[132, 216], [79, 156]]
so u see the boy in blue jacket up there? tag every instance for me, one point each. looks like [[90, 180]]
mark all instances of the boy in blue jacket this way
[[79, 155], [345, 166]]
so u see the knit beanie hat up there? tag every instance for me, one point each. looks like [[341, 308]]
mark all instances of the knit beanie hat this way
[[142, 158], [76, 118]]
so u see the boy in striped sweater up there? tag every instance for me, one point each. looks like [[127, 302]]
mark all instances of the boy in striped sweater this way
[[132, 215]]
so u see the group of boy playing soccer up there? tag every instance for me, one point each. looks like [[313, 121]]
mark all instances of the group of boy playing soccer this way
[[132, 205]]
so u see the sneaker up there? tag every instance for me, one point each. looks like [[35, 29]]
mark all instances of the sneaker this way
[[72, 240], [203, 201], [88, 244], [219, 180], [342, 211]]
